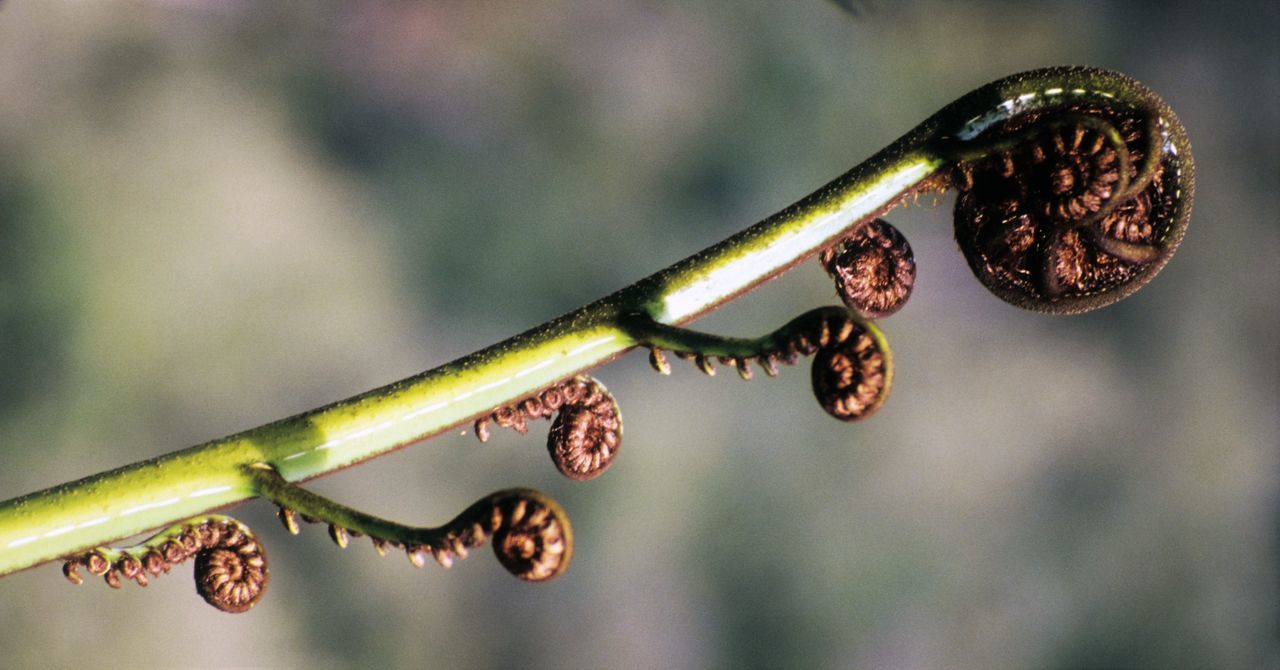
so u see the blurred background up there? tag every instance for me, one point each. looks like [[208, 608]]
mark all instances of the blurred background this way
[[215, 214]]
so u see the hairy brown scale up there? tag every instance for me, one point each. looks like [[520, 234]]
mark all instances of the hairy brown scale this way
[[1027, 218], [874, 269]]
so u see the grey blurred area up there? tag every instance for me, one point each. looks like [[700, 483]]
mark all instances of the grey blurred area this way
[[218, 213]]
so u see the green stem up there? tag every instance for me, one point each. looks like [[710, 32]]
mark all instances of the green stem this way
[[97, 510]]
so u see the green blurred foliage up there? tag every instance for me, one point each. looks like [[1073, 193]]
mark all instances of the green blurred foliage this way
[[215, 214]]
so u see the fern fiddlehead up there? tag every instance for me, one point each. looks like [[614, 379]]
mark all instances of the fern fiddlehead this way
[[230, 564], [873, 268], [1075, 189], [1086, 207], [531, 534], [852, 367], [587, 430]]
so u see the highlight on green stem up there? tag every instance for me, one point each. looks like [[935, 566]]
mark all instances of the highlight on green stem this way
[[1075, 188]]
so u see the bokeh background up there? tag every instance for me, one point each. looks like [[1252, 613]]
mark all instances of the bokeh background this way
[[215, 214]]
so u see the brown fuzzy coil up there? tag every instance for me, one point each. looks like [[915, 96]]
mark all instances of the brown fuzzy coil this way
[[586, 434], [587, 431], [230, 569], [851, 378], [1032, 225], [533, 542], [874, 269], [852, 365]]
